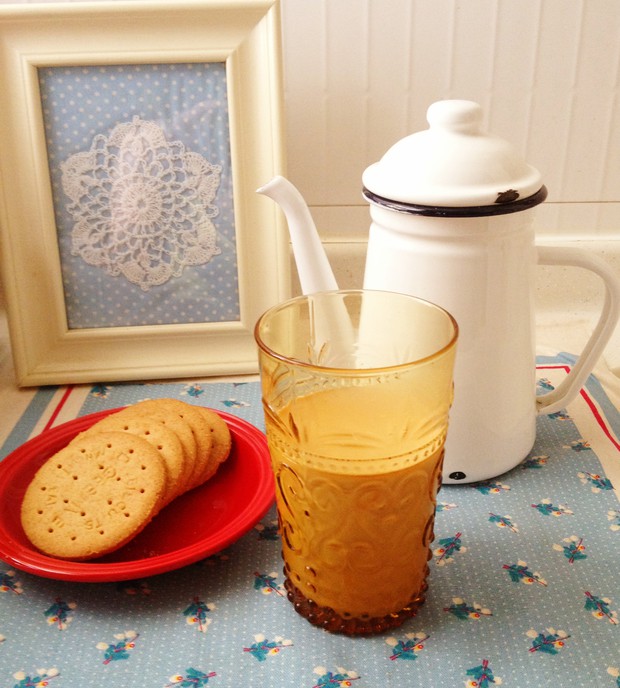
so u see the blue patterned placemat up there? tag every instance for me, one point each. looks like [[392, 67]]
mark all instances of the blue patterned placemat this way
[[524, 591]]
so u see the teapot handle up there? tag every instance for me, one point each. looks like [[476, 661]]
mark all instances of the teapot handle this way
[[569, 388]]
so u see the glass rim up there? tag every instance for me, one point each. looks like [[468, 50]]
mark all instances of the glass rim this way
[[354, 371]]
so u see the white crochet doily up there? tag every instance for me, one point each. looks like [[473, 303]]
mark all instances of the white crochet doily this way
[[141, 205]]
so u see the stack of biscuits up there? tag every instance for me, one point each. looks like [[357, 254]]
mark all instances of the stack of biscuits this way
[[103, 488]]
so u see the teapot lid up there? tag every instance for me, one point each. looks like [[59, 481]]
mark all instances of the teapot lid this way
[[453, 165]]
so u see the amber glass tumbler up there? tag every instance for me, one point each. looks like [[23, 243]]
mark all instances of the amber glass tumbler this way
[[356, 388]]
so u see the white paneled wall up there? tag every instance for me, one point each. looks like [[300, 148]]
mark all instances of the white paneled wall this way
[[360, 74]]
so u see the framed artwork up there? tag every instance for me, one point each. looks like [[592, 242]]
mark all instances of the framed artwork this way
[[133, 137]]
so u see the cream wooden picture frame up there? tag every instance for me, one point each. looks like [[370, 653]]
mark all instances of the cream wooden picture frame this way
[[243, 35]]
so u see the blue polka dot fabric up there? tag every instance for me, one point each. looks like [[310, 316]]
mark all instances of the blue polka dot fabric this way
[[140, 167], [524, 587]]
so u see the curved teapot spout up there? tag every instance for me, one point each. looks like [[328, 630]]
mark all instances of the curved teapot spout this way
[[313, 268]]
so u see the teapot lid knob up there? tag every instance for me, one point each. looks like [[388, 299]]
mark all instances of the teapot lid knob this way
[[455, 115], [453, 164]]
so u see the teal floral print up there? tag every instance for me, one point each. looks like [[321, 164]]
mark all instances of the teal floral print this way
[[39, 679], [535, 461], [503, 522], [193, 678], [235, 404], [267, 531], [194, 391], [578, 445], [559, 415], [600, 608], [597, 482], [548, 642], [113, 652], [266, 583], [196, 614], [262, 648], [520, 573], [60, 614], [491, 487], [467, 612], [547, 508], [482, 676], [409, 647], [448, 547], [342, 678], [544, 385], [573, 548], [9, 583], [100, 391]]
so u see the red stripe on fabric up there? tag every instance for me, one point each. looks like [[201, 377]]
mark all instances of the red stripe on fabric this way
[[599, 419], [554, 367], [590, 402], [59, 407]]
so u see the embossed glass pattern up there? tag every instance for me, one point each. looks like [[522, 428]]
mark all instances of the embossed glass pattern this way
[[356, 389]]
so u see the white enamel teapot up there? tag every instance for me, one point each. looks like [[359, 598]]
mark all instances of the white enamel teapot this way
[[451, 210]]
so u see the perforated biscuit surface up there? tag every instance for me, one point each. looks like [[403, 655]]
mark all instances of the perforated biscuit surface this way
[[190, 415], [160, 436], [93, 495]]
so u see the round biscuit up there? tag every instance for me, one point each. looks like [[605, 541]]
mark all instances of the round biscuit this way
[[221, 440], [93, 496], [180, 427], [165, 440], [199, 427]]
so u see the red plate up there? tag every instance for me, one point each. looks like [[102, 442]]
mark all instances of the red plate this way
[[196, 525]]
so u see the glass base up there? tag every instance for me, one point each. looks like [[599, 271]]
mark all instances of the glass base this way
[[329, 620]]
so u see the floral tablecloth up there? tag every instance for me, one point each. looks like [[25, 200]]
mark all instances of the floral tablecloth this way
[[524, 584]]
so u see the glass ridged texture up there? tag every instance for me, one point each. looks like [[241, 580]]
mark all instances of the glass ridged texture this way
[[356, 387]]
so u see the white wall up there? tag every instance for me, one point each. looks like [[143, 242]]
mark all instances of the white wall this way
[[360, 74]]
